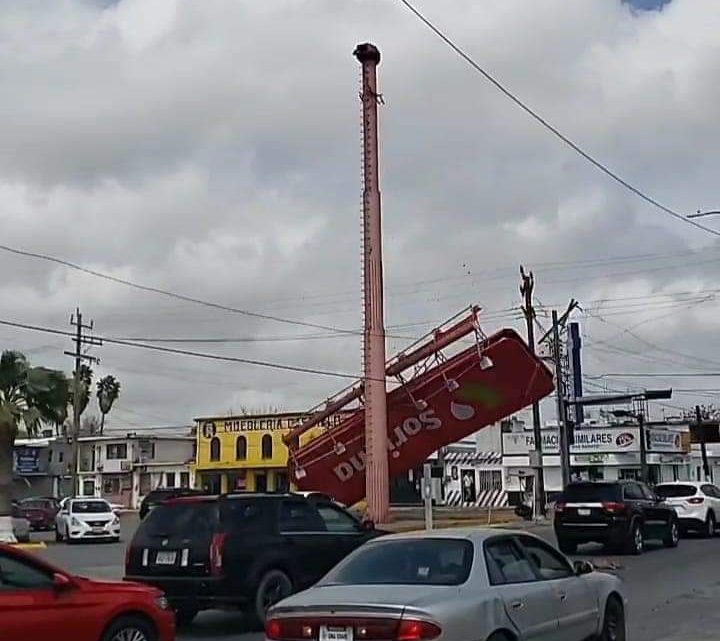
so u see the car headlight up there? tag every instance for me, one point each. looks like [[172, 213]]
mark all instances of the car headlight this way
[[162, 602], [116, 521], [74, 522]]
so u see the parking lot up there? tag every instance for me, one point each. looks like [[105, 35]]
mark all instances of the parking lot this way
[[673, 593]]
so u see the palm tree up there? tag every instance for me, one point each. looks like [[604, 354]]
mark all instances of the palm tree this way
[[29, 396], [108, 390]]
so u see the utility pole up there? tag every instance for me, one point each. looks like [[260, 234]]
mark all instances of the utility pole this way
[[561, 416], [703, 446], [377, 477], [526, 290], [643, 447], [80, 340]]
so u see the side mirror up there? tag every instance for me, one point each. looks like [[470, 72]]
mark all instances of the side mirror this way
[[62, 582], [583, 567]]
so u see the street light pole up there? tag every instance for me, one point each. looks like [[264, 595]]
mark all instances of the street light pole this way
[[643, 448]]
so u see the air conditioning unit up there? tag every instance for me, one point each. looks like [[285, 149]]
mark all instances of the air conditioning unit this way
[[125, 466]]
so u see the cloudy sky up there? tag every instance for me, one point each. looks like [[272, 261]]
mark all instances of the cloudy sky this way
[[212, 148]]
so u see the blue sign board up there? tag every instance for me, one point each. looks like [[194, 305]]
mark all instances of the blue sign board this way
[[27, 459]]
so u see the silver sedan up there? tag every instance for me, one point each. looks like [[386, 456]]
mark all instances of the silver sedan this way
[[455, 585]]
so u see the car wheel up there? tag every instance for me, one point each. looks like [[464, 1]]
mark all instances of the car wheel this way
[[567, 547], [498, 636], [710, 523], [130, 628], [273, 587], [634, 543], [614, 621], [184, 616], [673, 535]]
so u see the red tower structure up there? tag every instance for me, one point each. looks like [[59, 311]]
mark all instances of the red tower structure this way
[[377, 481]]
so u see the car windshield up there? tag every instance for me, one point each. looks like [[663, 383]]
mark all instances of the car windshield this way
[[590, 492], [90, 507], [182, 519], [406, 562], [675, 491], [35, 504]]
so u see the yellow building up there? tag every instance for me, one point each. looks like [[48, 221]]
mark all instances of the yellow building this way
[[246, 452]]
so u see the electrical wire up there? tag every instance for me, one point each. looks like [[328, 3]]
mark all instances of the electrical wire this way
[[551, 128]]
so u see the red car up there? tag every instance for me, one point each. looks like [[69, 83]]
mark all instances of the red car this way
[[39, 601], [40, 512]]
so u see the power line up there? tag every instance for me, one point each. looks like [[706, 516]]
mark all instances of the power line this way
[[656, 375], [184, 352], [169, 294], [551, 128]]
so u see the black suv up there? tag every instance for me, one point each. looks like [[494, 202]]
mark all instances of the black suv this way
[[621, 515], [161, 494], [240, 550]]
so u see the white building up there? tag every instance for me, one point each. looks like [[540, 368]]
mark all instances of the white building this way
[[124, 469], [600, 452]]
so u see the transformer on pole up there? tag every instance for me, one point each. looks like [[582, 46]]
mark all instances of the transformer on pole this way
[[377, 482]]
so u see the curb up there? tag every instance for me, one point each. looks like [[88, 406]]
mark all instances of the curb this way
[[40, 545]]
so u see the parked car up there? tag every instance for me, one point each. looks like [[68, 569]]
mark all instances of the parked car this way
[[20, 525], [40, 601], [240, 550], [460, 585], [697, 504], [40, 511], [82, 519], [154, 498], [622, 515]]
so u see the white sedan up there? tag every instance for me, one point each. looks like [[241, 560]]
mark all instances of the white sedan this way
[[697, 504], [456, 585], [85, 519]]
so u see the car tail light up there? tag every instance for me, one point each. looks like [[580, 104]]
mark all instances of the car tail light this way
[[611, 507], [410, 630], [559, 507], [370, 629], [216, 553], [696, 500]]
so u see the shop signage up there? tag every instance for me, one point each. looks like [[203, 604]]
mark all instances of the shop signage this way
[[588, 440], [27, 460], [660, 440], [261, 424]]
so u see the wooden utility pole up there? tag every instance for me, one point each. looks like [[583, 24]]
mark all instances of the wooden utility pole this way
[[560, 400], [703, 446], [526, 290], [80, 340]]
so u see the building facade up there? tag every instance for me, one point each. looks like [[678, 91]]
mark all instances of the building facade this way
[[125, 469], [599, 452], [236, 453]]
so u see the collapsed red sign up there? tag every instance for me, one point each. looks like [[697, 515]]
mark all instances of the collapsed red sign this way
[[441, 406]]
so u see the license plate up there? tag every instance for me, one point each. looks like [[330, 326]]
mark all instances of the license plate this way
[[165, 558], [583, 511], [98, 530], [335, 633]]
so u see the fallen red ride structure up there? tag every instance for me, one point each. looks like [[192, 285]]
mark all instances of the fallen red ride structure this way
[[444, 400]]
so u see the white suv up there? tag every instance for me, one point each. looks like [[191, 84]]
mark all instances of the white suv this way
[[697, 504]]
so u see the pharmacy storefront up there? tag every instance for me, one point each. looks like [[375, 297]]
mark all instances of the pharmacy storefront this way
[[598, 453]]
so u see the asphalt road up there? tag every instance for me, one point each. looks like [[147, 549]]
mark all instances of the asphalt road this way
[[674, 594]]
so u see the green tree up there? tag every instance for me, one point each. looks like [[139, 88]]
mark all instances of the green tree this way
[[108, 390], [29, 396]]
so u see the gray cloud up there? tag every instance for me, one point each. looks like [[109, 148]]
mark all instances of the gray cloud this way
[[212, 147]]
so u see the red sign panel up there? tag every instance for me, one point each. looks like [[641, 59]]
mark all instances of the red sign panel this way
[[471, 390]]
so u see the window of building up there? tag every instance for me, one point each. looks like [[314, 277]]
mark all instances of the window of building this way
[[61, 456], [215, 449], [88, 488], [147, 449], [111, 485], [260, 483], [267, 446], [184, 479], [114, 451], [281, 482], [490, 480], [169, 479], [241, 448]]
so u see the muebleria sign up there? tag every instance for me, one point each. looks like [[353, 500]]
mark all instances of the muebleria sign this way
[[587, 440]]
